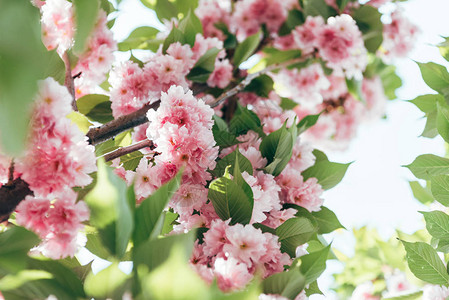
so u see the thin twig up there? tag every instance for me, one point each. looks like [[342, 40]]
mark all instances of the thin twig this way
[[245, 82], [69, 79], [128, 149], [109, 130]]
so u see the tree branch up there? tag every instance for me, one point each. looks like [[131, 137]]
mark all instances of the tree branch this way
[[245, 82], [69, 79], [128, 149], [11, 194], [111, 129]]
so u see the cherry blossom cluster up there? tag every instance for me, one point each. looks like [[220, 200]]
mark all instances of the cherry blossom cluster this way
[[399, 36], [234, 253], [57, 158], [132, 86], [58, 31]]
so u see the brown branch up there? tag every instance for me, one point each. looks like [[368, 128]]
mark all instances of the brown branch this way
[[109, 130], [245, 82], [69, 79], [128, 149], [11, 194]]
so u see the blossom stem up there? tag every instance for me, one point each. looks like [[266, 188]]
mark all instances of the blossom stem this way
[[128, 149], [245, 82], [69, 80], [109, 130]]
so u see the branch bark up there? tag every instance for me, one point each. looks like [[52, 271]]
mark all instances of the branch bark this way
[[245, 82], [69, 81], [128, 149], [111, 129]]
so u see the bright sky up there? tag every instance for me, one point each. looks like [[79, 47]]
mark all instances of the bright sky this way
[[375, 191]]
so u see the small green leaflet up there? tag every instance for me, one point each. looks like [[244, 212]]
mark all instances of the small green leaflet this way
[[329, 174], [246, 48]]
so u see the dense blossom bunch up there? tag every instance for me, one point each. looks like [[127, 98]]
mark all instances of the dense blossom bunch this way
[[399, 36], [234, 253], [57, 218], [96, 61], [57, 159], [58, 30]]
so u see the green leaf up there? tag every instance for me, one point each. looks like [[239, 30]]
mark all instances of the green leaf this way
[[96, 247], [174, 279], [430, 130], [190, 26], [443, 121], [287, 284], [314, 264], [444, 48], [244, 120], [153, 253], [204, 66], [95, 107], [390, 81], [276, 56], [435, 76], [230, 160], [109, 210], [307, 122], [327, 220], [425, 263], [427, 103], [355, 88], [317, 8], [440, 188], [261, 86], [437, 224], [14, 246], [108, 283], [294, 232], [86, 12], [277, 148], [221, 133], [131, 161], [169, 220], [32, 284], [313, 289], [245, 49], [421, 193], [368, 21], [319, 155], [23, 61], [329, 174], [149, 212], [164, 9], [288, 104], [174, 36], [141, 38], [427, 165], [230, 200], [294, 18], [231, 41], [64, 276]]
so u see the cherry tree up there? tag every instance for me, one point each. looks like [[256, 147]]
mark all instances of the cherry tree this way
[[196, 165]]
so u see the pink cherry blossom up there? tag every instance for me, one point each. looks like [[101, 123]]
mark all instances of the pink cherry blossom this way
[[57, 218], [231, 274], [222, 74], [297, 191], [305, 36], [341, 45], [399, 36], [304, 85], [57, 25]]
